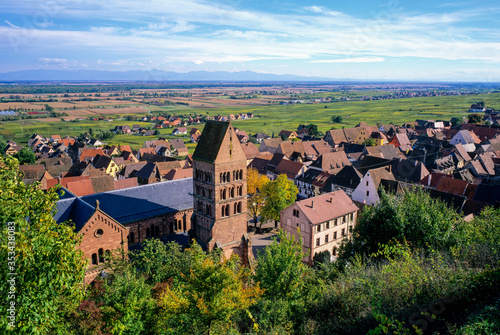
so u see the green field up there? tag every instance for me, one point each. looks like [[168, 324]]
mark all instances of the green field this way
[[273, 118]]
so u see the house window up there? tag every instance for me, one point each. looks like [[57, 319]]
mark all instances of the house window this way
[[328, 225], [334, 251], [318, 228], [317, 242], [334, 236], [350, 229], [326, 239], [131, 238], [367, 183], [94, 259], [343, 231], [367, 193]]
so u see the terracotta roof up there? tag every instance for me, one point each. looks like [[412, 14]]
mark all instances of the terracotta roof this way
[[165, 167], [321, 146], [387, 151], [80, 187], [478, 167], [488, 163], [331, 162], [64, 181], [272, 142], [259, 164], [102, 184], [175, 174], [337, 136], [250, 150], [462, 152], [178, 144], [379, 174], [125, 183], [90, 153], [289, 147], [452, 185], [327, 206], [149, 150], [290, 168]]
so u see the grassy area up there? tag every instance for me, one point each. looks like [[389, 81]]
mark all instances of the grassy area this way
[[274, 118]]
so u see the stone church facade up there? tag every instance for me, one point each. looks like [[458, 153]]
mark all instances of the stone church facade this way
[[220, 191]]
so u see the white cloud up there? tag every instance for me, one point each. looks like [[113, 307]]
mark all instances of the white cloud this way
[[352, 60]]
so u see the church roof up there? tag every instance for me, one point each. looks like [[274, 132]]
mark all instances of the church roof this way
[[210, 141]]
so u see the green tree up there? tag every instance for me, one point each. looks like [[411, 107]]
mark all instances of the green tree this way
[[313, 130], [475, 118], [49, 268], [336, 119], [414, 217], [255, 183], [278, 195], [370, 142], [207, 297], [25, 156]]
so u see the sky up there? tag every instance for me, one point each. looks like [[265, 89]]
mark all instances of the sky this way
[[358, 39]]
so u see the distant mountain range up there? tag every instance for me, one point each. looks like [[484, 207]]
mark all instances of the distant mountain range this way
[[152, 75]]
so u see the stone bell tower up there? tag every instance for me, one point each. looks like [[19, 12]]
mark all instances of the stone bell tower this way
[[220, 191]]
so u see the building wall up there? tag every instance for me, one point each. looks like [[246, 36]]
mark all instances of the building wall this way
[[301, 227], [112, 236], [366, 192], [159, 226]]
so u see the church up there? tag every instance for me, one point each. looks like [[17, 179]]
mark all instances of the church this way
[[220, 191], [211, 207]]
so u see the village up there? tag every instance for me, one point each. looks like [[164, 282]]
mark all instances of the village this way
[[153, 193]]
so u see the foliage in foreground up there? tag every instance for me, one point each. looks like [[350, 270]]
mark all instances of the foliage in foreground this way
[[49, 269]]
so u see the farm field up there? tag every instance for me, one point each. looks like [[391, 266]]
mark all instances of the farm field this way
[[269, 116]]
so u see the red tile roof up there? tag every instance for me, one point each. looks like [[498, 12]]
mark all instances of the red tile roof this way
[[327, 206], [81, 187], [452, 185]]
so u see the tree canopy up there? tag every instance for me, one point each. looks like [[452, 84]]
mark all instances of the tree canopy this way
[[49, 268], [278, 195]]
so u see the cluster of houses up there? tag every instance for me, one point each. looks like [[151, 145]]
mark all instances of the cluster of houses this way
[[135, 195], [87, 166]]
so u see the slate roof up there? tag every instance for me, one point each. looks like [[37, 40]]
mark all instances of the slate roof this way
[[210, 141], [327, 206], [74, 209], [102, 162], [146, 201], [409, 170]]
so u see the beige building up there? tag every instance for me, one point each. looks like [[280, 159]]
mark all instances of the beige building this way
[[322, 222]]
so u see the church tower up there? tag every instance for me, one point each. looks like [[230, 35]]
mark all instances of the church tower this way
[[220, 191]]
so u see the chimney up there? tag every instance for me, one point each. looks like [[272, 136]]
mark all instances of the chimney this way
[[312, 204], [429, 180]]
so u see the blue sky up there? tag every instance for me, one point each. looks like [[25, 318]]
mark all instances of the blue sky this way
[[372, 40]]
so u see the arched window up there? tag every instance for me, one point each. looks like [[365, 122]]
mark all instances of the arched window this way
[[221, 178], [239, 207], [101, 255], [223, 210], [94, 259], [228, 177], [235, 208], [241, 174], [227, 210], [234, 175], [224, 194], [232, 192]]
